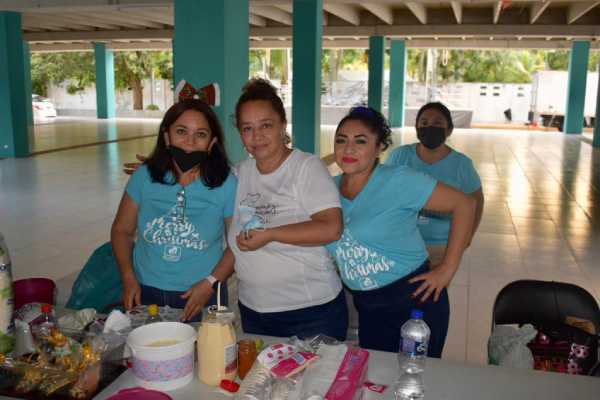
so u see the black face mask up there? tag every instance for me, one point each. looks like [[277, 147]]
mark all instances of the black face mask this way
[[431, 136], [186, 161]]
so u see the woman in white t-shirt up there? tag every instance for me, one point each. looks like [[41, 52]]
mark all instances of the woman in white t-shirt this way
[[287, 208]]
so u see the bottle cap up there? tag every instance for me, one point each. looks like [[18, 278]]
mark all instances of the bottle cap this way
[[153, 310], [229, 385], [416, 314], [47, 308]]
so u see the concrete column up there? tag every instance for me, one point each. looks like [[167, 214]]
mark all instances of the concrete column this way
[[211, 45], [397, 93], [105, 82], [28, 89], [306, 82], [596, 141], [578, 64], [14, 98], [376, 58]]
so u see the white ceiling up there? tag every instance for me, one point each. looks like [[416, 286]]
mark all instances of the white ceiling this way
[[62, 25]]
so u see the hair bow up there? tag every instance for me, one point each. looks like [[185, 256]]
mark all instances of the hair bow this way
[[209, 93]]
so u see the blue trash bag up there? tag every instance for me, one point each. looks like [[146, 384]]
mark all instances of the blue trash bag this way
[[99, 284]]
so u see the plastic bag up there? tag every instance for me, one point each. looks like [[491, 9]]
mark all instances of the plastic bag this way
[[508, 346], [99, 283]]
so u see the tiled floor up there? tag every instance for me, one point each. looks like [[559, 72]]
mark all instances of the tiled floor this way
[[541, 218]]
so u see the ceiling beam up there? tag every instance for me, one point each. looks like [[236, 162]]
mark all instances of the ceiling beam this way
[[122, 18], [285, 7], [328, 44], [432, 43], [69, 5], [449, 30], [442, 31], [418, 10], [162, 16], [42, 21], [578, 10], [537, 9], [72, 20], [257, 20], [381, 11], [457, 10], [273, 13], [344, 11], [497, 10], [100, 35]]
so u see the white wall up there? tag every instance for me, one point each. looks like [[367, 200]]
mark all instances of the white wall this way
[[487, 101], [86, 99]]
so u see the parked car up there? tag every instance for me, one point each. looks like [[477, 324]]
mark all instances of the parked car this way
[[42, 107]]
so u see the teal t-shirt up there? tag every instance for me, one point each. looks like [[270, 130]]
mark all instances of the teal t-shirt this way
[[178, 242], [455, 170], [381, 242]]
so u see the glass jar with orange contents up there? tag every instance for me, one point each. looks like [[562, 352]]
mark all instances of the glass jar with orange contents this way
[[246, 356]]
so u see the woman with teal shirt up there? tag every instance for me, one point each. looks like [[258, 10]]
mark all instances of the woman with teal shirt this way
[[168, 233], [381, 256], [434, 157]]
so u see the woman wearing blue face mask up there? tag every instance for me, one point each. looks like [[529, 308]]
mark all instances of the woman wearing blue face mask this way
[[168, 233], [434, 157]]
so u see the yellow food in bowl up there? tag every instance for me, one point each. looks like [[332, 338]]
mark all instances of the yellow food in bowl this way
[[163, 342]]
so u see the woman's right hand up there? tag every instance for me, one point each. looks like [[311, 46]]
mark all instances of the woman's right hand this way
[[132, 293], [130, 168]]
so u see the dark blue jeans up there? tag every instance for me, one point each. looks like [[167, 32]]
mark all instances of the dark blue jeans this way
[[381, 313], [152, 295], [329, 319]]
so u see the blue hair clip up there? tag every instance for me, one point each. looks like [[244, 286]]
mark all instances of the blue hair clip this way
[[363, 111]]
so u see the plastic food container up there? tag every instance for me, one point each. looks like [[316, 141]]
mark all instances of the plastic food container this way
[[162, 355]]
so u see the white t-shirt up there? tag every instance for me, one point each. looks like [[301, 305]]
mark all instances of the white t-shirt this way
[[282, 277]]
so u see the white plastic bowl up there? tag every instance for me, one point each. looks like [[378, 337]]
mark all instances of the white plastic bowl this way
[[164, 367]]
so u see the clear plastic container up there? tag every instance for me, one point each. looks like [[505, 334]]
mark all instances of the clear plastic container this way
[[409, 387], [414, 343], [7, 329]]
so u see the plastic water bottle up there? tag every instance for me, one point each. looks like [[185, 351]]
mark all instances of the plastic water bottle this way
[[413, 343], [409, 387], [7, 327]]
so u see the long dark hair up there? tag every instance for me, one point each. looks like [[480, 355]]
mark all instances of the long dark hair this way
[[216, 167]]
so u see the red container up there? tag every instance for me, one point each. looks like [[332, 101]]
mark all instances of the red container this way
[[33, 290]]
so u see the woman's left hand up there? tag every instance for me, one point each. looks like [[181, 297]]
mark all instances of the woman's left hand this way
[[197, 296], [253, 239], [433, 282]]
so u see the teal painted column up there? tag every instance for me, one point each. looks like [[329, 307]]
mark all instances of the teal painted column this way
[[376, 58], [596, 141], [578, 64], [397, 93], [105, 82], [14, 136], [28, 89], [211, 44], [306, 83]]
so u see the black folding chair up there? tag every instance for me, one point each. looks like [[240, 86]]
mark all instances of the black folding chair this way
[[541, 302]]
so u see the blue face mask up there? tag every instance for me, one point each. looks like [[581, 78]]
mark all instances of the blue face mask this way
[[431, 136], [186, 161]]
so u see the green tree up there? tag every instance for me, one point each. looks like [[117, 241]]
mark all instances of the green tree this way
[[132, 67], [78, 69], [54, 68]]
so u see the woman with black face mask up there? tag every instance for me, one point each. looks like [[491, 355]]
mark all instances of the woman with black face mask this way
[[434, 157], [168, 233]]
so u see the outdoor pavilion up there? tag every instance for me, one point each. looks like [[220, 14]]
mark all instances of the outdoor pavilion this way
[[210, 41]]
